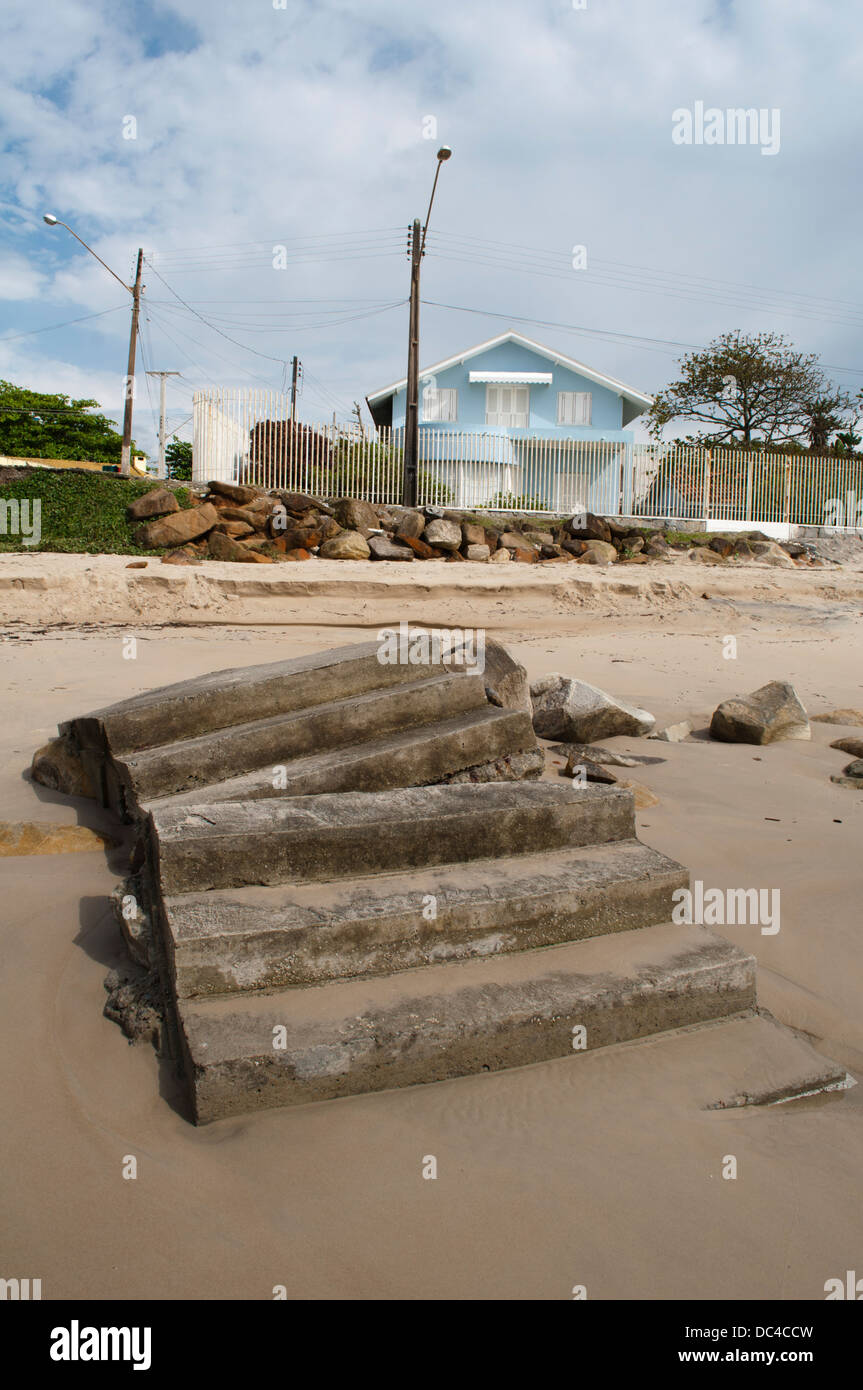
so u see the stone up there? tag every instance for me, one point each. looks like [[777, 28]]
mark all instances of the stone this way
[[771, 553], [254, 517], [297, 503], [181, 557], [722, 546], [477, 552], [236, 492], [434, 512], [445, 535], [705, 556], [181, 526], [576, 548], [854, 769], [674, 733], [20, 838], [160, 502], [565, 708], [582, 769], [642, 795], [771, 713], [539, 538], [234, 528], [606, 756], [137, 564], [524, 556], [58, 765], [499, 557], [506, 683], [474, 534], [634, 544], [347, 545], [598, 553], [222, 547], [840, 716], [298, 554], [841, 781], [382, 548], [355, 515], [743, 549], [410, 524], [657, 545], [854, 746], [422, 549], [513, 540], [587, 527]]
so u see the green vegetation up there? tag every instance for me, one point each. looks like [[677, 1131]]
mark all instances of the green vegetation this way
[[82, 513], [178, 460], [35, 425]]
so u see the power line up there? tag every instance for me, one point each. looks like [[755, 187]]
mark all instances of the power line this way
[[49, 328]]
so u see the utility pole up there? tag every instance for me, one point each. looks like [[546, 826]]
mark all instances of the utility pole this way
[[126, 451], [359, 414], [294, 370], [411, 456], [161, 470]]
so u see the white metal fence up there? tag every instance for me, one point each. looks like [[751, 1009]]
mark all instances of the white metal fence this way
[[248, 436]]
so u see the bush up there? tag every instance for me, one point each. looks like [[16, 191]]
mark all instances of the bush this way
[[83, 513]]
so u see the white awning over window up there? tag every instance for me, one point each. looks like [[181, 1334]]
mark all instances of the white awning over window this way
[[512, 378]]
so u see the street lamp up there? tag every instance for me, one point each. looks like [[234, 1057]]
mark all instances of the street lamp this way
[[411, 460], [135, 292]]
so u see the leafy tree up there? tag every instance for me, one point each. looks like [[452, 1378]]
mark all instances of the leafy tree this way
[[36, 425], [753, 390], [178, 459]]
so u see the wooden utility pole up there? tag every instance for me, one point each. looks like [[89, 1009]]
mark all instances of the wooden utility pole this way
[[411, 467], [161, 470], [294, 370], [126, 451]]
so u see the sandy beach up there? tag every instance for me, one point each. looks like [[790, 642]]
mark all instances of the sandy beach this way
[[602, 1170]]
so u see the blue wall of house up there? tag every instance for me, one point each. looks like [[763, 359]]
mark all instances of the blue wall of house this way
[[606, 405]]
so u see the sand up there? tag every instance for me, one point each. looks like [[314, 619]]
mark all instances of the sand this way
[[604, 1169]]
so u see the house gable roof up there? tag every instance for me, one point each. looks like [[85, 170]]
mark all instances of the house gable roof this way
[[638, 401]]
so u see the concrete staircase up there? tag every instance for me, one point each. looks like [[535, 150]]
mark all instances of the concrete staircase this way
[[373, 916]]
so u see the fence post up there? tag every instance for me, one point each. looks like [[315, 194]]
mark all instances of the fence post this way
[[787, 507], [708, 462]]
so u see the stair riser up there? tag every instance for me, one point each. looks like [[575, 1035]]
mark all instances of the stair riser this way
[[423, 761], [377, 945], [494, 1031], [231, 752], [191, 708], [191, 861]]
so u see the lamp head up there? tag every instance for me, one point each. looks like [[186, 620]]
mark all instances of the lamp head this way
[[50, 219], [444, 152]]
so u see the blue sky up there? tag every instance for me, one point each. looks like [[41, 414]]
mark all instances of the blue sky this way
[[315, 126]]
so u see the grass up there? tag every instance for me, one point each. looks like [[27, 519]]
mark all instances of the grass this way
[[82, 513]]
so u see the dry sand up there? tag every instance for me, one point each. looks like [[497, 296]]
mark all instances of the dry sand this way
[[602, 1170]]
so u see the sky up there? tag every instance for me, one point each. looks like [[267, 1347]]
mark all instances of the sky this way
[[270, 155]]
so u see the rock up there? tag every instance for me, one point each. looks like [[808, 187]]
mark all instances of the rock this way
[[234, 528], [26, 837], [642, 795], [606, 756], [180, 557], [433, 512], [473, 534], [570, 709], [382, 548], [354, 515], [253, 517], [455, 557], [57, 765], [575, 548], [840, 716], [722, 545], [299, 537], [657, 545], [160, 502], [634, 544], [296, 503], [769, 714], [598, 553], [135, 1003], [770, 553], [524, 557], [854, 746], [299, 554], [743, 549], [236, 492], [506, 683], [856, 782], [410, 524], [635, 560], [445, 535], [854, 769], [587, 527], [477, 552], [553, 552], [674, 733], [705, 556], [421, 549], [179, 527], [499, 557], [347, 545], [539, 538], [137, 564], [513, 540], [587, 771], [224, 547]]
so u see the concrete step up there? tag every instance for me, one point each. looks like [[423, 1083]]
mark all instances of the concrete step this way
[[412, 757], [241, 748], [238, 939], [356, 834], [223, 698], [246, 1052]]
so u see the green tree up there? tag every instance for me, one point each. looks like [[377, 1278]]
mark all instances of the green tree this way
[[749, 390], [178, 459], [36, 425]]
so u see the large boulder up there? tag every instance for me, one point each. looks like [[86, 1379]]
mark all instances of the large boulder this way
[[598, 553], [347, 545], [476, 552], [178, 528], [160, 501], [58, 765], [224, 547], [585, 526], [382, 548], [410, 525], [236, 492], [355, 515], [771, 553], [445, 535], [569, 709], [506, 683], [473, 534], [772, 712]]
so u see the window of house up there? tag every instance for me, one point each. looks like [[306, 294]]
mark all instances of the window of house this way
[[440, 403], [573, 407], [508, 406]]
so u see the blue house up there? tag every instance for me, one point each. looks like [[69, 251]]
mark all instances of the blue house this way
[[513, 419]]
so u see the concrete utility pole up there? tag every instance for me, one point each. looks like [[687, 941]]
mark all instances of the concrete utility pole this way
[[135, 292], [161, 470], [411, 458], [295, 365]]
